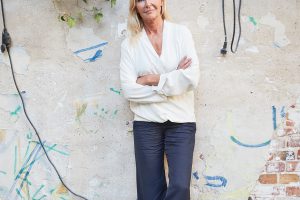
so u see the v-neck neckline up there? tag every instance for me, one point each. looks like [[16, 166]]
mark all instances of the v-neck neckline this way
[[163, 40]]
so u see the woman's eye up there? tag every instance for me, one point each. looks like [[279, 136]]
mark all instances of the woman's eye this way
[[140, 0]]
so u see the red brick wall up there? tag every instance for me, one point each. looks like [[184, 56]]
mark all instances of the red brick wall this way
[[280, 178]]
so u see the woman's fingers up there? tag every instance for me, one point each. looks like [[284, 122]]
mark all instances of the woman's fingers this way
[[188, 64], [184, 63], [182, 60]]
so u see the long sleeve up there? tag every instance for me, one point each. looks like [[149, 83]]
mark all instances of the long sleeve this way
[[128, 76], [180, 81]]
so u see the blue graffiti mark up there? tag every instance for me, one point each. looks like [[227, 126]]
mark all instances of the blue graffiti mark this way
[[276, 45], [21, 171], [37, 192], [19, 193], [116, 91], [52, 148], [216, 178], [27, 149], [29, 135], [282, 112], [16, 111], [274, 117], [249, 145], [91, 58], [42, 197], [3, 172], [195, 174], [14, 94], [97, 55], [22, 92], [25, 163], [29, 169], [90, 48]]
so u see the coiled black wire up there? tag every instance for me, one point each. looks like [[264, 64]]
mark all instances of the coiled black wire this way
[[7, 46], [240, 29]]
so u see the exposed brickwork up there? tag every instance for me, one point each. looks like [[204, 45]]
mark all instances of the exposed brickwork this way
[[293, 191], [280, 179]]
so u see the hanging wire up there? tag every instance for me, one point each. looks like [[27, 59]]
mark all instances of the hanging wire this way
[[7, 43], [240, 30]]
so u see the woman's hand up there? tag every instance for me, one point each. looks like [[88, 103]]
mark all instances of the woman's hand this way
[[153, 79], [184, 63], [150, 79]]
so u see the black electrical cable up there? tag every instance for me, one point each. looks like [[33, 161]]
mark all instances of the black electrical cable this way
[[6, 40], [240, 30], [224, 49]]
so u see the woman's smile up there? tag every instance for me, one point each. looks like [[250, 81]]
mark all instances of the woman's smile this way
[[148, 11]]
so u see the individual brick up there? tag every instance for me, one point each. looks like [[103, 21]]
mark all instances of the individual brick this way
[[275, 167], [268, 178], [298, 154], [293, 166], [293, 142], [263, 191], [288, 178], [293, 191]]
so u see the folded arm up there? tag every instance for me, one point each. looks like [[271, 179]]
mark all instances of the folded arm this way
[[184, 78], [132, 90]]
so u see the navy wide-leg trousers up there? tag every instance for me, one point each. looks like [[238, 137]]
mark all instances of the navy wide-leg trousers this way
[[151, 140]]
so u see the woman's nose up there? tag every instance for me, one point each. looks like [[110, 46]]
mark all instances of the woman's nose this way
[[147, 2]]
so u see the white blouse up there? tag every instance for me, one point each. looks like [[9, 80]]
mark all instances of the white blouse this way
[[173, 98]]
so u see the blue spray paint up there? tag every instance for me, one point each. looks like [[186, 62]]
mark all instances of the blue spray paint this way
[[195, 174], [90, 48], [274, 117], [249, 145], [98, 52], [216, 178], [34, 151], [97, 55], [282, 112]]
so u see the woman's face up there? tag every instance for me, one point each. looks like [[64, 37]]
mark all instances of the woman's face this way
[[149, 9]]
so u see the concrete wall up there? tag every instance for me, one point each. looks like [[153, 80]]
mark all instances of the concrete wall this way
[[85, 122]]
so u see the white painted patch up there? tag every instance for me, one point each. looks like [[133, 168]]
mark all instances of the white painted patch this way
[[298, 104], [202, 22], [280, 39], [294, 115], [60, 102], [268, 80], [85, 44], [94, 185], [253, 49], [95, 182], [20, 58], [241, 42], [122, 30]]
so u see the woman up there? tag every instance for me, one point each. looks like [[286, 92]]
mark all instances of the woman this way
[[159, 71]]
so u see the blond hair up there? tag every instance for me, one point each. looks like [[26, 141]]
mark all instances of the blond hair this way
[[135, 23]]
